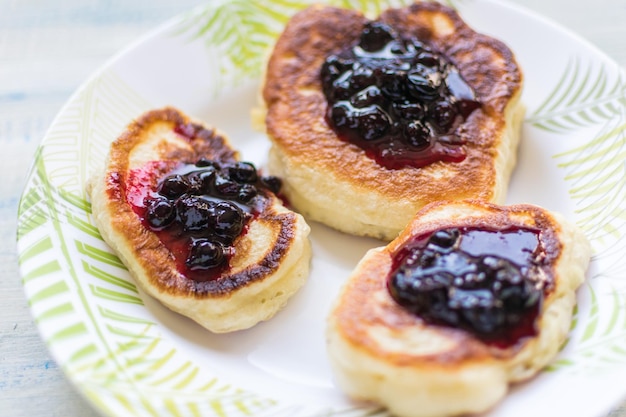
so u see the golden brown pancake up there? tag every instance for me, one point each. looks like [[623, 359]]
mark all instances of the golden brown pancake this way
[[382, 352], [333, 181], [270, 258]]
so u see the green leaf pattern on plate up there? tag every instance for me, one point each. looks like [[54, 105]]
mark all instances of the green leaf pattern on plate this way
[[586, 97], [118, 356], [119, 360], [241, 31]]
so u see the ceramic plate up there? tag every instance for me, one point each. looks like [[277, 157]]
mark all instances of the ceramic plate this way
[[131, 357]]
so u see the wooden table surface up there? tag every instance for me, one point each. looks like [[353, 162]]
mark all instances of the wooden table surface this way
[[47, 49]]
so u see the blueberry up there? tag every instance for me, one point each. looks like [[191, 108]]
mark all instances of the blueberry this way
[[408, 111], [397, 47], [225, 187], [429, 59], [194, 214], [228, 220], [417, 134], [393, 84], [334, 66], [200, 182], [205, 254], [375, 36], [339, 114], [422, 295], [372, 122], [422, 85], [445, 238], [206, 180], [174, 186], [397, 66], [243, 172], [362, 77], [330, 70], [246, 193], [443, 114], [204, 162], [160, 213], [367, 97], [274, 184], [342, 87]]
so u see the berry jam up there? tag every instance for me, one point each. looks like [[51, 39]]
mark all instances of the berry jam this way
[[488, 282], [199, 210], [398, 99]]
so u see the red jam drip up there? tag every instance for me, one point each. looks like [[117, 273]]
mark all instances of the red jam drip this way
[[142, 182], [397, 99], [486, 281], [199, 210]]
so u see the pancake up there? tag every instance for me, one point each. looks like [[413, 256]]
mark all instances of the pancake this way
[[334, 181], [227, 260], [442, 361]]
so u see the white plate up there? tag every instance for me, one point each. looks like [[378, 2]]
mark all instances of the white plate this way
[[132, 357]]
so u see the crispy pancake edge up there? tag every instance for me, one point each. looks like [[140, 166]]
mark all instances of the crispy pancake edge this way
[[382, 353], [141, 249]]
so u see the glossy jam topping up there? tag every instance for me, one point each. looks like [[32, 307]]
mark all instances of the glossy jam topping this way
[[199, 210], [488, 282], [398, 99]]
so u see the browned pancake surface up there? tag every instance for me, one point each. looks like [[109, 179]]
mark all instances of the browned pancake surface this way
[[382, 353], [251, 262], [296, 105], [366, 303]]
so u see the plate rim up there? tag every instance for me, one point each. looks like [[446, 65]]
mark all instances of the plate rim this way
[[168, 25]]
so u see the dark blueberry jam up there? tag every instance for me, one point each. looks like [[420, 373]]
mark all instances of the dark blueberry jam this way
[[488, 282], [398, 99], [199, 210]]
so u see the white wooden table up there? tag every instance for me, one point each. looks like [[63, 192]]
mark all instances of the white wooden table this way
[[48, 48]]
